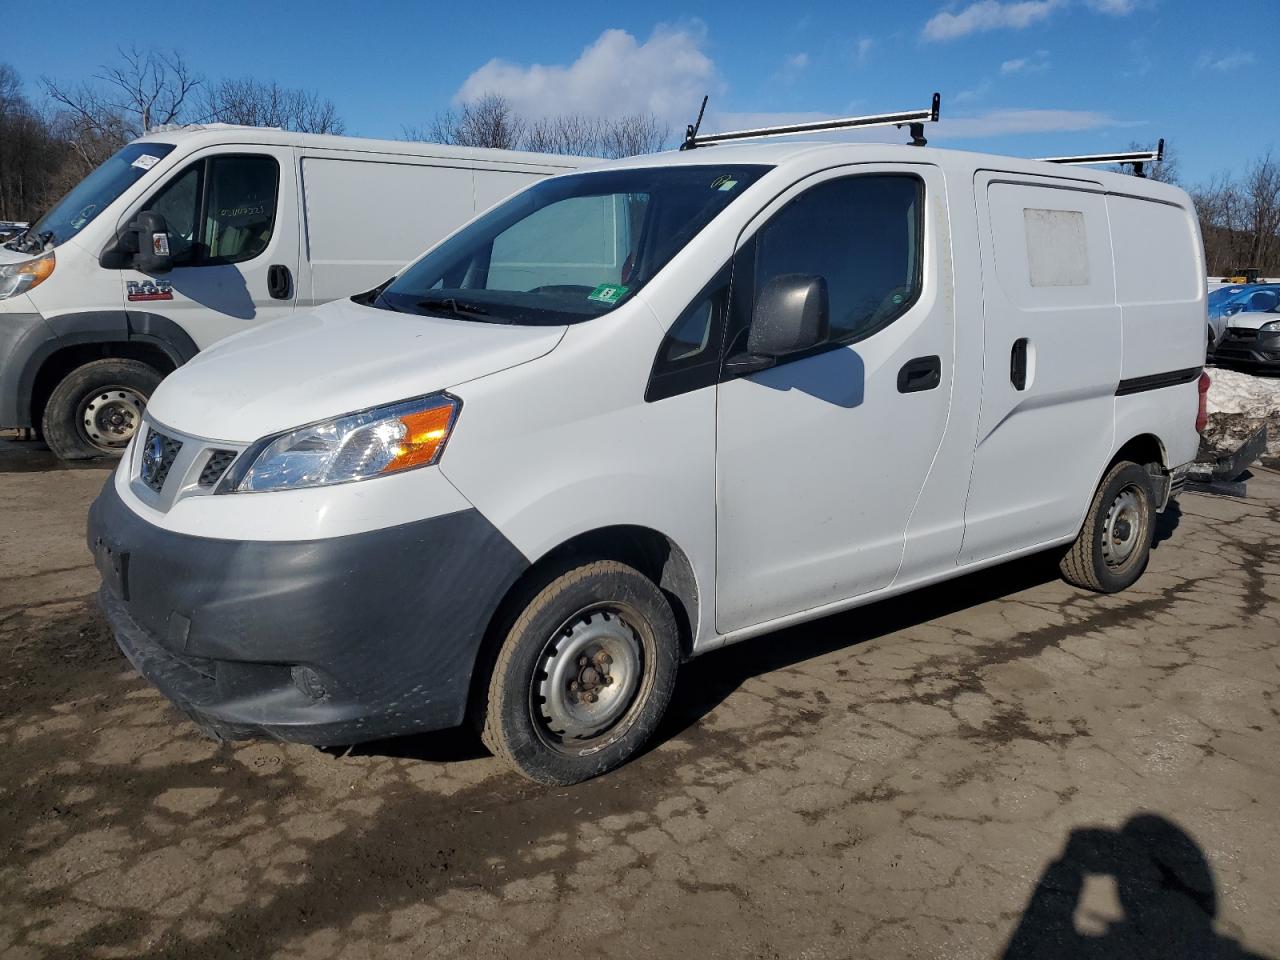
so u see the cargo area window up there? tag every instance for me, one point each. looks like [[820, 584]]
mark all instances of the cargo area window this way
[[220, 210]]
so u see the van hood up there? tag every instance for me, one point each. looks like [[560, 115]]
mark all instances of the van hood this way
[[13, 256], [333, 360]]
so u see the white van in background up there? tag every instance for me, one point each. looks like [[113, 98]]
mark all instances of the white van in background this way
[[189, 235], [638, 412]]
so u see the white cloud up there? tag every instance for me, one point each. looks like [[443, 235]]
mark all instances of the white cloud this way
[[1211, 61], [862, 49], [1116, 8], [985, 15], [798, 62], [1033, 64], [665, 75], [973, 93]]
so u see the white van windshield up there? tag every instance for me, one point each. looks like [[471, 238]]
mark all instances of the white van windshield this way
[[92, 195], [569, 248]]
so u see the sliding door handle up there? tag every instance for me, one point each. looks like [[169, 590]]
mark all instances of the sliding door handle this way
[[279, 282], [1018, 364]]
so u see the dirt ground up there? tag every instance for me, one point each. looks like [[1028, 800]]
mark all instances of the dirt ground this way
[[1002, 766]]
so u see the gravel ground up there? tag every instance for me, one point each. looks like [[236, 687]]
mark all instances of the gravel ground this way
[[1002, 766]]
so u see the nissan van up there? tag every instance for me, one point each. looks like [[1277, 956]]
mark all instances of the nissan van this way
[[638, 412]]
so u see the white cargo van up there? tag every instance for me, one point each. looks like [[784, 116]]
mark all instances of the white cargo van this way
[[639, 412], [192, 234]]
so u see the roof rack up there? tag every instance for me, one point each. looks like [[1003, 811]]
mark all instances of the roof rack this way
[[914, 119], [1139, 159]]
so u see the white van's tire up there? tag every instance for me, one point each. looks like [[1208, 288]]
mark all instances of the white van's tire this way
[[583, 676], [1114, 544], [97, 408]]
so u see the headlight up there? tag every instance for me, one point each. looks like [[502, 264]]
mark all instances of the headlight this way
[[1272, 326], [357, 446], [16, 278]]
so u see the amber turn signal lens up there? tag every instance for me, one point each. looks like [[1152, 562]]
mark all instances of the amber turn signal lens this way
[[425, 432], [39, 270]]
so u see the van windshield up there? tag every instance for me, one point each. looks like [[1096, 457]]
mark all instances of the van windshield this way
[[569, 248], [92, 195]]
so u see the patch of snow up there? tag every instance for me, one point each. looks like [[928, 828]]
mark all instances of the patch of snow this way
[[1231, 391]]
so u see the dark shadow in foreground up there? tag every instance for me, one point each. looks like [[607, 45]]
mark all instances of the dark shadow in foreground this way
[[1165, 887]]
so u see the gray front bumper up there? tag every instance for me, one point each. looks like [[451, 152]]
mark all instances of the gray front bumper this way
[[325, 641]]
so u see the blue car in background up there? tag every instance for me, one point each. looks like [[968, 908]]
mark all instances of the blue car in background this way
[[1244, 323]]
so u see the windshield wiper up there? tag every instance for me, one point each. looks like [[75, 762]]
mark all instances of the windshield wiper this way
[[451, 307]]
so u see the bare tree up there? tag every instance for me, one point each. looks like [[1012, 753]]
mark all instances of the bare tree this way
[[1240, 219], [633, 134], [491, 121], [259, 103], [31, 157], [123, 101]]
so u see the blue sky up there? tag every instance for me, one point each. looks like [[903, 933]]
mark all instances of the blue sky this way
[[1026, 77]]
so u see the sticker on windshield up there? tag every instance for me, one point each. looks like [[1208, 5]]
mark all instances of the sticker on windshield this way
[[724, 182], [146, 161], [608, 293]]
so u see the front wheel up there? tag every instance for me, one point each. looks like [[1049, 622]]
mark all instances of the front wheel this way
[[1112, 548], [584, 675], [97, 408]]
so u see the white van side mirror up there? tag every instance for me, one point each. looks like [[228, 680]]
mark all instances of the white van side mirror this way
[[150, 241], [792, 314]]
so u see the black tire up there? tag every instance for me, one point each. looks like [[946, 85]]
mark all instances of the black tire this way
[[590, 609], [69, 424], [1114, 544]]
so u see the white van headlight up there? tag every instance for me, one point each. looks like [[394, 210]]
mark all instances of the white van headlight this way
[[357, 446], [16, 278]]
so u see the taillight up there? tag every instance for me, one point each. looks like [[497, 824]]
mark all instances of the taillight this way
[[1202, 412]]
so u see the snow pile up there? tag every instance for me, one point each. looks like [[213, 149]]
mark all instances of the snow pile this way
[[1238, 404]]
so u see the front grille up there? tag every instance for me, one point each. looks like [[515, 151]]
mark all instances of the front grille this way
[[158, 454], [216, 466], [1242, 333]]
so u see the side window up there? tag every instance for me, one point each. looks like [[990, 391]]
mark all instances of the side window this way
[[689, 357], [179, 204], [220, 210], [240, 210], [862, 234]]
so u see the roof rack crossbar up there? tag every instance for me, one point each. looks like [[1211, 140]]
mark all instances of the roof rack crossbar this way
[[913, 119], [1138, 158]]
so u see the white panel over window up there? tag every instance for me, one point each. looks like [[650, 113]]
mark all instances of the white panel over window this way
[[1057, 248]]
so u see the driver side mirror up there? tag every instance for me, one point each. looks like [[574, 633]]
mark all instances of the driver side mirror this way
[[149, 237], [792, 314]]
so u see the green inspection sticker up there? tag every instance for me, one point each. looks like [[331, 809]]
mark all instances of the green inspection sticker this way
[[723, 182], [608, 293]]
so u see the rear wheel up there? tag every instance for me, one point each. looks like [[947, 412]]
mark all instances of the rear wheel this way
[[97, 408], [1114, 544], [584, 675]]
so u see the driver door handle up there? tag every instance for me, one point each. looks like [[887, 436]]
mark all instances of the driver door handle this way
[[922, 373], [279, 281]]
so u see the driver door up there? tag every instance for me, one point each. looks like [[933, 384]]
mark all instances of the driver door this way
[[820, 460], [233, 228]]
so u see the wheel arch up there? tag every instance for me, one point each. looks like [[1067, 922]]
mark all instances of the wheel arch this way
[[81, 338], [652, 553]]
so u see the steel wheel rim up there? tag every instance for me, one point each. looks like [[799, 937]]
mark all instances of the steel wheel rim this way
[[110, 417], [1122, 528], [588, 677]]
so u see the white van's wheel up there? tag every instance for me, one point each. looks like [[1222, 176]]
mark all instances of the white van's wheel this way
[[1112, 548], [97, 408], [584, 675]]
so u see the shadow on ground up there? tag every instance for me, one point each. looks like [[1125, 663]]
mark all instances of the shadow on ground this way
[[1165, 889]]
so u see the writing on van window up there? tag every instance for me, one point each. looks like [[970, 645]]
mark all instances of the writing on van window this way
[[1057, 248]]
